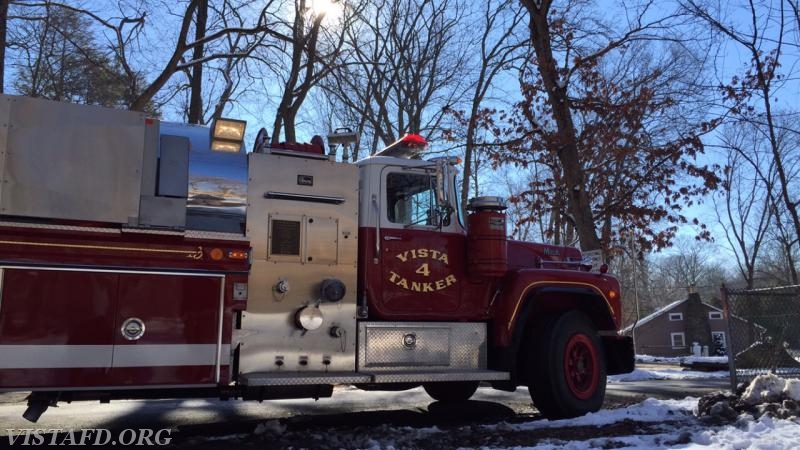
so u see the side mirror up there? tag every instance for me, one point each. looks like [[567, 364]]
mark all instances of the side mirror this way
[[443, 192]]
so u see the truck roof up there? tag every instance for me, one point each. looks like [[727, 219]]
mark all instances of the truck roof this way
[[392, 161]]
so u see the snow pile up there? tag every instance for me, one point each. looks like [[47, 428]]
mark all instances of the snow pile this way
[[767, 395], [272, 426], [792, 389], [766, 388]]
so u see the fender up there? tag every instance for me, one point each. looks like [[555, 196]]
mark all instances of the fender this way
[[530, 292]]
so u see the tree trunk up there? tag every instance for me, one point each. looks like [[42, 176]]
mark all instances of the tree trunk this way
[[567, 151], [196, 82]]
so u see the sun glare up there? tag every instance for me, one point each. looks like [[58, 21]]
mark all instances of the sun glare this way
[[331, 9]]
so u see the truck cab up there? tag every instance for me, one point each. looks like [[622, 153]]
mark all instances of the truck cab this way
[[413, 241]]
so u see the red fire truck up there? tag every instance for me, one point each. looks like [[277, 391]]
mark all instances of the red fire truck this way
[[146, 259]]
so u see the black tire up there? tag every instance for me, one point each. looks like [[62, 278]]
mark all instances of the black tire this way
[[565, 366], [454, 391]]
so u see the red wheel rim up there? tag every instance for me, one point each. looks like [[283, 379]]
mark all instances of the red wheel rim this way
[[580, 366]]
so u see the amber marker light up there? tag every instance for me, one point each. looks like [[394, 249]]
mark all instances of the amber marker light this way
[[216, 254], [612, 294], [237, 254]]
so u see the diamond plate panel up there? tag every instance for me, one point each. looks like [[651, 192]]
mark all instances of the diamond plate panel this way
[[385, 346], [311, 378], [425, 377], [408, 346], [301, 378]]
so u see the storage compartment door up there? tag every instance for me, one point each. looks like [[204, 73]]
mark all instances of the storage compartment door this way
[[56, 327], [167, 329]]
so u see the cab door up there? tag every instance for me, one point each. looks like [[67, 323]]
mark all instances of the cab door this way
[[422, 254]]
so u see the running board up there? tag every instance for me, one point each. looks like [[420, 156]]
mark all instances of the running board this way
[[310, 378]]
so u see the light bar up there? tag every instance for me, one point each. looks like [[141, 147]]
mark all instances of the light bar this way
[[409, 146]]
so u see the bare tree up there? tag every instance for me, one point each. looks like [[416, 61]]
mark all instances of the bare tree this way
[[603, 109], [749, 98], [746, 211], [56, 58], [125, 30], [497, 47], [401, 68], [308, 57], [687, 266]]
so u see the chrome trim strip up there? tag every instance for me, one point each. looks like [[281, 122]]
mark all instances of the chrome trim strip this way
[[107, 388], [193, 234], [43, 226], [215, 235], [152, 231], [304, 197], [218, 359], [294, 153], [99, 356], [139, 272]]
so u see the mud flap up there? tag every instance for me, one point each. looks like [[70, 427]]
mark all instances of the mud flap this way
[[619, 354]]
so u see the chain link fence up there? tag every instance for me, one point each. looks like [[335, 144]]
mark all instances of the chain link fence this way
[[763, 332]]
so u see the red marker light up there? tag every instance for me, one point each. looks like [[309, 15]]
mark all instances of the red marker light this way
[[237, 254]]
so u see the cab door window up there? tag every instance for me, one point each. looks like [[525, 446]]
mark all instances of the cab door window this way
[[411, 198]]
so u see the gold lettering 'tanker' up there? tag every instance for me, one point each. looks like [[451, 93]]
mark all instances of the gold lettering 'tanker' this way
[[416, 286]]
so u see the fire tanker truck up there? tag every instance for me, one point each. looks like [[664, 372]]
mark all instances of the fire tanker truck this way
[[146, 259]]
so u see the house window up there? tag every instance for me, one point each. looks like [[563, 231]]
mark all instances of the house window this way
[[715, 315], [678, 340], [674, 317]]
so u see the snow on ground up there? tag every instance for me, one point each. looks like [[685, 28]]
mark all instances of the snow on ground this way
[[650, 424], [671, 373], [665, 374], [646, 425], [647, 359], [650, 410]]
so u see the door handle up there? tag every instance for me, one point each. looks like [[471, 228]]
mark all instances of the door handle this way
[[392, 238]]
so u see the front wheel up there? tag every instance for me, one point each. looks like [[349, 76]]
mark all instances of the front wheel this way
[[455, 391], [565, 366]]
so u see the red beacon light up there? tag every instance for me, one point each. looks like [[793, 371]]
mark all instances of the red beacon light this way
[[414, 140], [408, 146]]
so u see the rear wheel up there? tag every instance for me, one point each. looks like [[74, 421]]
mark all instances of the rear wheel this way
[[455, 391], [565, 367]]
